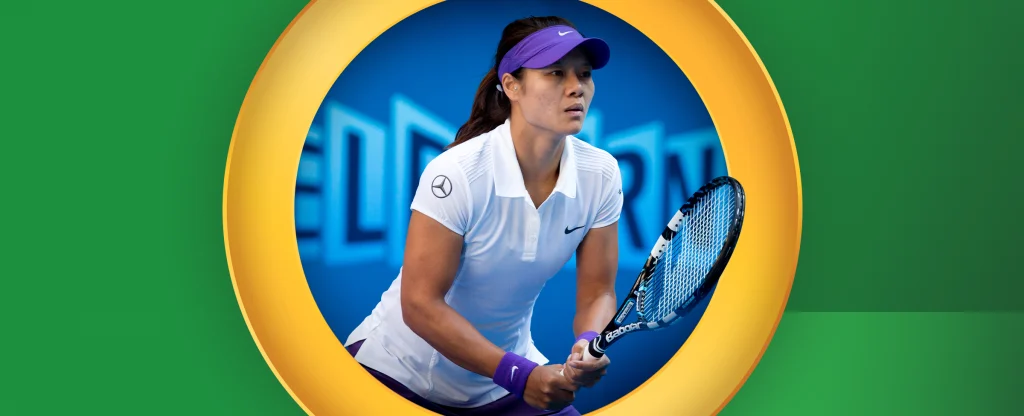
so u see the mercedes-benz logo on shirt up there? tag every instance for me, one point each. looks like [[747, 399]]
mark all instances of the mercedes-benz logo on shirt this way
[[441, 186]]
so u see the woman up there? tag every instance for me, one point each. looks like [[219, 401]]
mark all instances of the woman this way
[[494, 217]]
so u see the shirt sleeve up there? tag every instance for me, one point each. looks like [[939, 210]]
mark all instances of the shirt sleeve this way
[[443, 194], [611, 202]]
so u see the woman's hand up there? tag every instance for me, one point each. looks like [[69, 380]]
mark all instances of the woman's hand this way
[[547, 389], [582, 372]]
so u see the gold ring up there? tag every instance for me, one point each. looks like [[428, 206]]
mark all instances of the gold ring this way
[[263, 256]]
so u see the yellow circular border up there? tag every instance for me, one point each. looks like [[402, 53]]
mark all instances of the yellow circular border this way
[[307, 59]]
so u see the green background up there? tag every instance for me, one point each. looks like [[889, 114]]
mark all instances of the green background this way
[[116, 297]]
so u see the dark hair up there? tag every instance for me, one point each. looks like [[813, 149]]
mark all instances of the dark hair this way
[[491, 107]]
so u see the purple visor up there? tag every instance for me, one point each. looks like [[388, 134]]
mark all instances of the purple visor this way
[[546, 46]]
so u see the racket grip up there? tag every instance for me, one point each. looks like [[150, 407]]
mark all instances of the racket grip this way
[[589, 354], [592, 353]]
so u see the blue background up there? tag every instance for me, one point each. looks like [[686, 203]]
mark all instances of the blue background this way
[[402, 99]]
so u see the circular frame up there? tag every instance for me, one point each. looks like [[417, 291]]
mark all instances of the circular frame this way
[[259, 227]]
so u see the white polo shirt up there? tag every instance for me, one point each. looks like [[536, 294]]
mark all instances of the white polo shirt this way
[[511, 248]]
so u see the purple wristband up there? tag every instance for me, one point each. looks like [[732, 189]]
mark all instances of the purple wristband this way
[[589, 336], [512, 373]]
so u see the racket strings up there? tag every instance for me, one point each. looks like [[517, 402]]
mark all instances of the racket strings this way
[[689, 255]]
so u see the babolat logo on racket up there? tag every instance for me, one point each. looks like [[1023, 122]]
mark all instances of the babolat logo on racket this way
[[622, 330]]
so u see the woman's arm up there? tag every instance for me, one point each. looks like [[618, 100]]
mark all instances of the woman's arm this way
[[596, 264], [431, 260], [597, 260]]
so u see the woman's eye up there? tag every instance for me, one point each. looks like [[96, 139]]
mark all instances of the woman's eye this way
[[585, 74], [556, 73]]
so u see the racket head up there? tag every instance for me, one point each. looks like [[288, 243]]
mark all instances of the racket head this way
[[692, 252]]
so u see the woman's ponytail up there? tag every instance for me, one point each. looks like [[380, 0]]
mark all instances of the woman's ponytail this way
[[491, 108]]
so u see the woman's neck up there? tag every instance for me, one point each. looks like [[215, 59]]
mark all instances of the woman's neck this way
[[539, 153]]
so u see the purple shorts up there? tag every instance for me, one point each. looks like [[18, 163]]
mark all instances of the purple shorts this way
[[505, 406]]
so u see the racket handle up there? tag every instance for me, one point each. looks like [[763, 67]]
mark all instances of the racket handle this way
[[589, 353]]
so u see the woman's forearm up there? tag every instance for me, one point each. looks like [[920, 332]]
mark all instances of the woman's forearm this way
[[595, 313], [596, 264], [452, 335]]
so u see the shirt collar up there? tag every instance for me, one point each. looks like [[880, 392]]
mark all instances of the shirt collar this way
[[508, 177]]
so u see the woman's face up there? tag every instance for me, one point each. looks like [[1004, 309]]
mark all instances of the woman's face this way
[[556, 98]]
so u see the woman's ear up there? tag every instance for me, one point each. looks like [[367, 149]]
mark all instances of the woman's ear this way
[[510, 85]]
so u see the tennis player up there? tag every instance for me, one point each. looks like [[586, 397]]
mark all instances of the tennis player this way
[[493, 218]]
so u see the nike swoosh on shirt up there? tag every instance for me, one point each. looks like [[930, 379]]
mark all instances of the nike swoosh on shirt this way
[[567, 230]]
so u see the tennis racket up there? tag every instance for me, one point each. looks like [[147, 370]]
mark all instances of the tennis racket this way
[[684, 265]]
